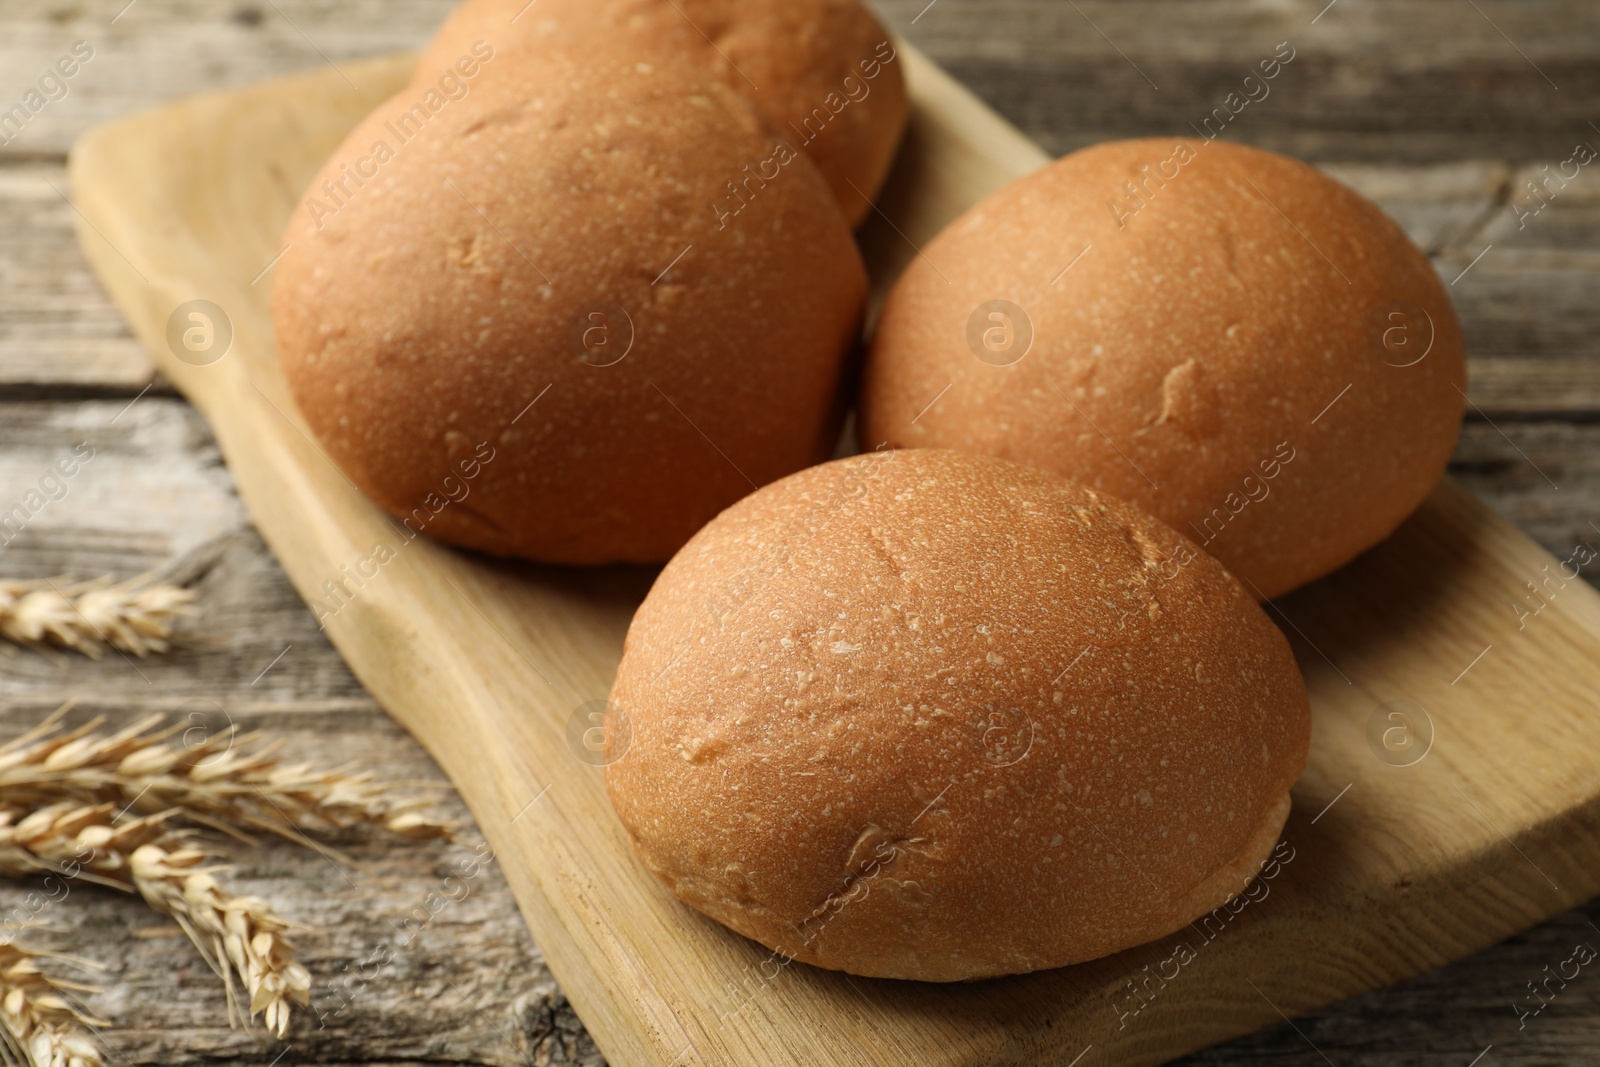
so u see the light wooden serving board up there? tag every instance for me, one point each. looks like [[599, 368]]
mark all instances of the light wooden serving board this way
[[1495, 828]]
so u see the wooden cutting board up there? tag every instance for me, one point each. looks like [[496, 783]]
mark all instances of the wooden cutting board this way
[[1450, 801]]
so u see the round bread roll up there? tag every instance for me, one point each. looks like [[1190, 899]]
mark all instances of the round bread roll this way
[[824, 73], [520, 330], [927, 714], [1223, 336]]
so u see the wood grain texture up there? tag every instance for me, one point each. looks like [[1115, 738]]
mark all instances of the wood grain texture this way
[[150, 51], [1418, 80], [59, 335], [1396, 876]]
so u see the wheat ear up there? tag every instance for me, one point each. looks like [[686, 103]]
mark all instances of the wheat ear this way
[[239, 937], [219, 780], [87, 617], [39, 1026]]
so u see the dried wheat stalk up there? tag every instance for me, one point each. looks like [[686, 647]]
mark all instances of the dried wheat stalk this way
[[83, 781], [242, 931], [221, 780], [39, 1026], [86, 617], [238, 936]]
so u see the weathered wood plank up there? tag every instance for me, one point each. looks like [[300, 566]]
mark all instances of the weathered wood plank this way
[[1439, 205], [116, 508], [1517, 304], [1533, 386], [1554, 205], [58, 332], [1416, 80], [1543, 476], [150, 51], [155, 498], [1523, 282]]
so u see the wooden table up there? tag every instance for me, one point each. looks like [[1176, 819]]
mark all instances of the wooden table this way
[[1441, 110]]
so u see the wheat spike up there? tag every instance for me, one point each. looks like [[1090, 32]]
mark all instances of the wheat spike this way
[[86, 617], [83, 781], [239, 937], [223, 779], [39, 1027], [241, 931]]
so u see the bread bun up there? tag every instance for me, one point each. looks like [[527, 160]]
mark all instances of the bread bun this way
[[521, 330], [928, 714], [1246, 348], [824, 73]]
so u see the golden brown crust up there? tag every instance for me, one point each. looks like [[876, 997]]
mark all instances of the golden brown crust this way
[[824, 73], [932, 715], [421, 310], [1196, 346]]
